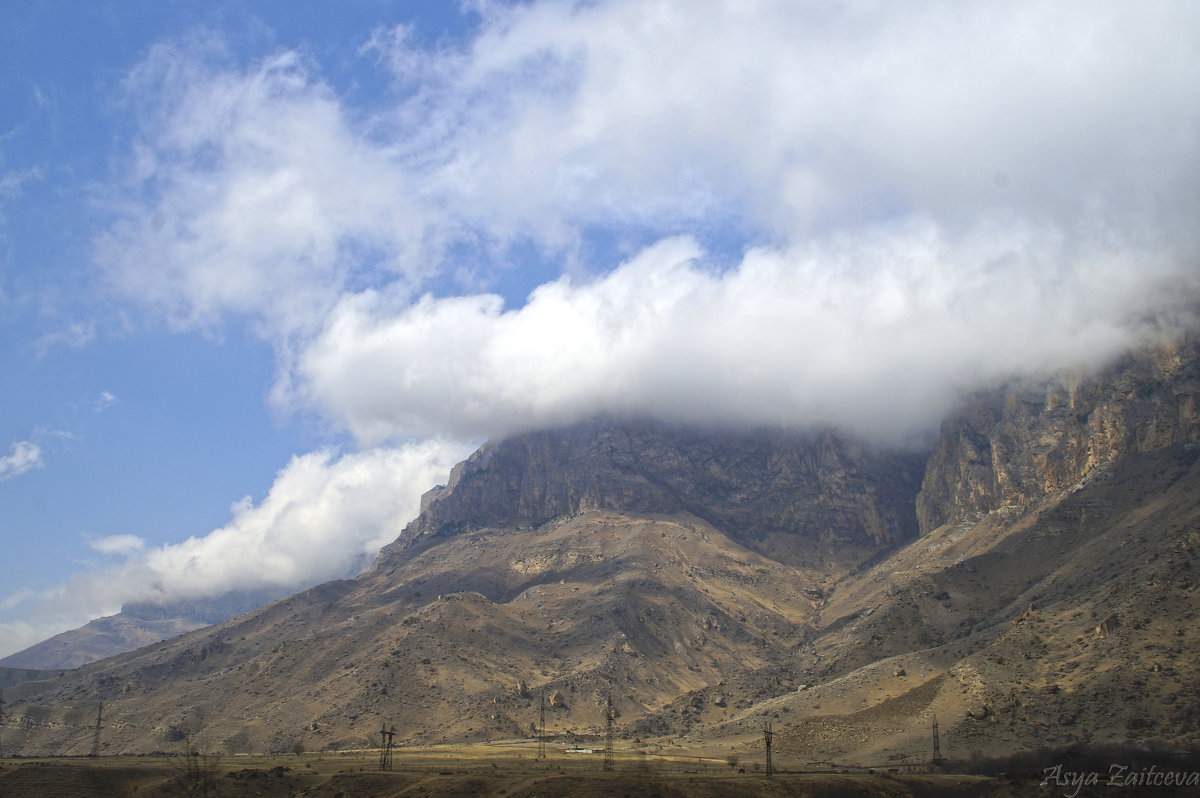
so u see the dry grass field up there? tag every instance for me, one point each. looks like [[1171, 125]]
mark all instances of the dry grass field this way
[[491, 770]]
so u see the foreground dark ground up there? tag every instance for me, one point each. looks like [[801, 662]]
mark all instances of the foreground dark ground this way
[[350, 778], [466, 772]]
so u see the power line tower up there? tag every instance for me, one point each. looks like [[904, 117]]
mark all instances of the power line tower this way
[[541, 754], [937, 742], [385, 749], [96, 735], [768, 736], [609, 719]]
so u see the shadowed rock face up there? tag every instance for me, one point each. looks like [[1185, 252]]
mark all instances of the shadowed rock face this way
[[1025, 442], [821, 486]]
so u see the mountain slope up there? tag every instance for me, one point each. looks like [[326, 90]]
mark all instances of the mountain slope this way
[[1073, 622], [603, 598], [709, 581], [651, 606], [136, 625]]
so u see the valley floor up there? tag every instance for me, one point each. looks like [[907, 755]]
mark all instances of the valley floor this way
[[468, 771]]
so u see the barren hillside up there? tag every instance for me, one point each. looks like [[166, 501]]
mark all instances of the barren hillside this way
[[1029, 583]]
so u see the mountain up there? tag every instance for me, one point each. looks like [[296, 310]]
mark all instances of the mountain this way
[[1028, 581], [137, 624], [1013, 447], [779, 492], [459, 620]]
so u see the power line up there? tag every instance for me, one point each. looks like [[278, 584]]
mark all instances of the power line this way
[[768, 736], [937, 742], [609, 718], [385, 753], [542, 727], [96, 736]]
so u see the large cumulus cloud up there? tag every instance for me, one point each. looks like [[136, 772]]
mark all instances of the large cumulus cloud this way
[[849, 201], [326, 516], [875, 334]]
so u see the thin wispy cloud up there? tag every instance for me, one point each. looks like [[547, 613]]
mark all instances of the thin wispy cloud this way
[[72, 335], [24, 456], [11, 185], [16, 598], [102, 402], [117, 544]]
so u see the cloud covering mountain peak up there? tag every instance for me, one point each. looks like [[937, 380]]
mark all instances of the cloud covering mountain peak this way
[[931, 197], [768, 212]]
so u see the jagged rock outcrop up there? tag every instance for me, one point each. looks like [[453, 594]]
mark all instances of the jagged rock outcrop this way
[[821, 486], [1028, 441]]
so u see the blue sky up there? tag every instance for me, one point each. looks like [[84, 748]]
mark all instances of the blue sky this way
[[141, 430], [267, 271]]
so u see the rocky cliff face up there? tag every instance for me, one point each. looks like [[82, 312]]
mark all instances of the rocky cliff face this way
[[750, 484], [1029, 441]]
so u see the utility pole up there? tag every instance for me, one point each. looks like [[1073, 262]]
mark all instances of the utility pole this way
[[385, 752], [767, 739], [96, 736], [609, 718], [1, 722], [937, 743], [541, 754]]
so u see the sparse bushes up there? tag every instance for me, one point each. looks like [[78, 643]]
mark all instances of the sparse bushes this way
[[1098, 758]]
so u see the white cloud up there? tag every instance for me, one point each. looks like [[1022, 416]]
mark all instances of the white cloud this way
[[16, 598], [875, 334], [806, 116], [249, 194], [118, 544], [73, 335], [325, 517], [11, 187], [1013, 152], [259, 191], [18, 635], [25, 457]]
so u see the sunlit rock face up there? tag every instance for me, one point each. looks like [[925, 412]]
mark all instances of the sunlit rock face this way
[[1029, 440]]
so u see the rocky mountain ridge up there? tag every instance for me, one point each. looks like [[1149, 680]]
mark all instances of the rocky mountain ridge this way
[[820, 486], [1022, 442], [1049, 596]]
